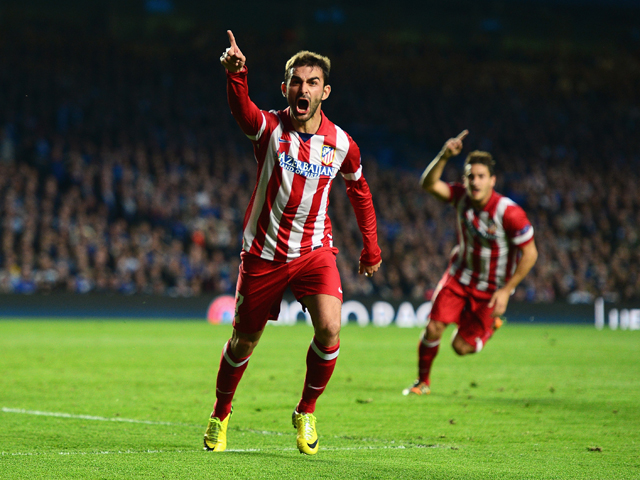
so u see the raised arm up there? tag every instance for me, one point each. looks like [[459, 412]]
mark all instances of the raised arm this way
[[430, 179], [249, 117]]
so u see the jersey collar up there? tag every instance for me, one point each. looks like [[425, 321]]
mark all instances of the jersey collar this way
[[325, 124]]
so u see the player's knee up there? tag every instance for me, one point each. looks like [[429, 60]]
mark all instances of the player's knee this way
[[461, 347], [242, 345], [435, 329], [242, 348], [459, 350], [328, 334]]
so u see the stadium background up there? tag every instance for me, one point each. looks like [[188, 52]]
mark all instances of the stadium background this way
[[124, 178]]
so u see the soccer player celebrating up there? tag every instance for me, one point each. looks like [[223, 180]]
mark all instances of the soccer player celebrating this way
[[495, 251], [287, 239]]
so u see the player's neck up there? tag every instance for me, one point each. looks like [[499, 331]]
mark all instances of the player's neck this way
[[479, 205], [310, 126]]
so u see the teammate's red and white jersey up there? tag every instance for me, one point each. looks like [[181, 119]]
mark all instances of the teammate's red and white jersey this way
[[287, 215], [487, 252]]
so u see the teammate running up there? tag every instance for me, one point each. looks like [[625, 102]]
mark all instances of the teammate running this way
[[495, 251]]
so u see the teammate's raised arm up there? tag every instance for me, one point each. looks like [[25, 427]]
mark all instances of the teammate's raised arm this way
[[453, 146], [232, 59], [430, 179]]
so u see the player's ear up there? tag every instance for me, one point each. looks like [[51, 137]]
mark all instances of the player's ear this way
[[283, 89], [493, 181], [326, 91]]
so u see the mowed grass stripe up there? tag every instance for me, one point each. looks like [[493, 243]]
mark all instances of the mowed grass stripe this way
[[147, 422], [541, 401]]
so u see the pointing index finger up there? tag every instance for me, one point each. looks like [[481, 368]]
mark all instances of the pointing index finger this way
[[462, 135], [232, 39]]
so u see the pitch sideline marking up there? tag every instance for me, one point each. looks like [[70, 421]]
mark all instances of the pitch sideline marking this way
[[150, 422], [230, 450], [91, 417]]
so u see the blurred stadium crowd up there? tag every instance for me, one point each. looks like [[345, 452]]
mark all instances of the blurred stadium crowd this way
[[121, 168]]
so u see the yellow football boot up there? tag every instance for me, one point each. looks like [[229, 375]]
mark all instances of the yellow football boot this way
[[307, 438], [215, 438]]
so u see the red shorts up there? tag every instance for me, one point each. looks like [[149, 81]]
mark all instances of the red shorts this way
[[465, 306], [261, 285]]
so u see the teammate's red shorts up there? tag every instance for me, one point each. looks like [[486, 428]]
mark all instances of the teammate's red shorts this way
[[262, 283], [465, 306]]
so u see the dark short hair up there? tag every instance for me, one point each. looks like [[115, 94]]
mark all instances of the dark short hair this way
[[483, 158], [305, 58]]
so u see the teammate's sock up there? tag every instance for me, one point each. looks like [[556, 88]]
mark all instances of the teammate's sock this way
[[427, 351], [321, 361], [229, 375]]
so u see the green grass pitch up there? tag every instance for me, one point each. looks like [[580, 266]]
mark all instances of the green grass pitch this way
[[130, 399]]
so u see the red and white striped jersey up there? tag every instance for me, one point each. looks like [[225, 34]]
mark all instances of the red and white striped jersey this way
[[287, 215], [487, 252]]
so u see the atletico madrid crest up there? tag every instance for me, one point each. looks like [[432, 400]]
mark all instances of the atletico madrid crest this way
[[327, 155]]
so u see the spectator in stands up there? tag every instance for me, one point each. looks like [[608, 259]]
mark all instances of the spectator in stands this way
[[111, 172]]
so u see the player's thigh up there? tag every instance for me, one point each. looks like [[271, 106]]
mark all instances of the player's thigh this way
[[316, 274], [315, 282], [448, 305]]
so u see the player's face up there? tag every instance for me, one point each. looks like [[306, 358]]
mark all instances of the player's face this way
[[305, 92], [479, 183]]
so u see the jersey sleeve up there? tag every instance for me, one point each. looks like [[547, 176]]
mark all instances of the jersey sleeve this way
[[351, 168], [457, 192], [362, 203], [517, 226], [252, 121]]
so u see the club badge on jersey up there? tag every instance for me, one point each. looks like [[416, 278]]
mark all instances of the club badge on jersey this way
[[484, 229], [328, 154]]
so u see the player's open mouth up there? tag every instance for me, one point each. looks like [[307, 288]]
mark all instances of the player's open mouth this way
[[302, 106]]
